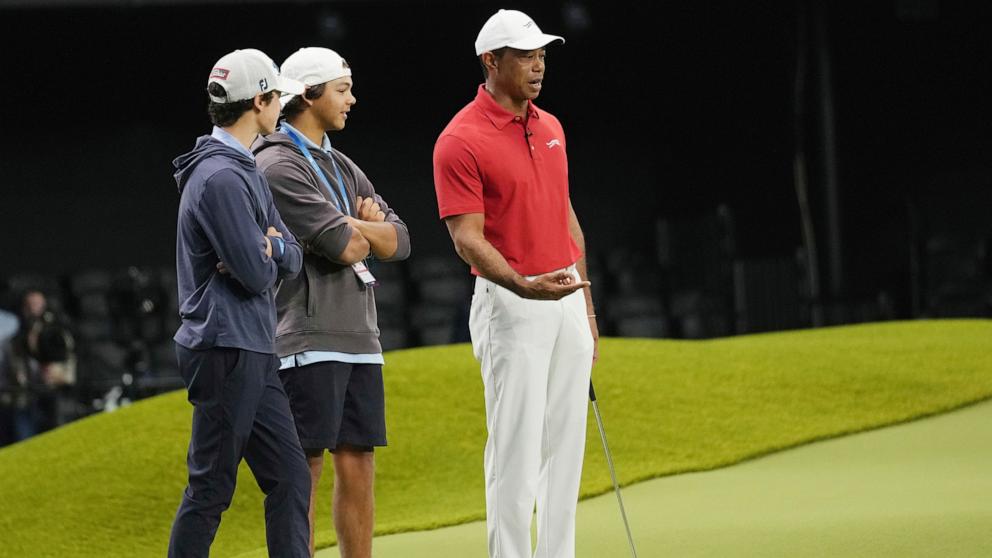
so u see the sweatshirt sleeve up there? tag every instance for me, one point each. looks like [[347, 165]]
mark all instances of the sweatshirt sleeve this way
[[365, 189], [286, 251], [317, 224], [226, 216]]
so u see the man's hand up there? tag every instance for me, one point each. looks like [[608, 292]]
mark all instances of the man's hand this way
[[369, 210], [273, 233], [222, 269], [550, 286]]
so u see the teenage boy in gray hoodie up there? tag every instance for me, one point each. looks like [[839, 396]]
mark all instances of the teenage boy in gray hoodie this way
[[327, 334], [231, 250]]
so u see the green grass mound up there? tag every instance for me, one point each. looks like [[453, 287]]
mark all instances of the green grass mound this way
[[914, 490], [109, 485]]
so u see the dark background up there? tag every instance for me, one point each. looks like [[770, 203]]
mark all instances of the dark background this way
[[672, 110], [685, 122]]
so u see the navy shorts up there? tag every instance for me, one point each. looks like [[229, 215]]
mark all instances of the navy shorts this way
[[337, 403]]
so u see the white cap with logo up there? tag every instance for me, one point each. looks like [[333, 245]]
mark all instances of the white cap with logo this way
[[510, 28], [247, 72], [313, 66]]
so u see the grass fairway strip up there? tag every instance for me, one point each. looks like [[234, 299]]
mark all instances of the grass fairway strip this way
[[915, 490], [111, 483]]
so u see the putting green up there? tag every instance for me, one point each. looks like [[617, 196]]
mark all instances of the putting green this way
[[112, 482], [919, 489]]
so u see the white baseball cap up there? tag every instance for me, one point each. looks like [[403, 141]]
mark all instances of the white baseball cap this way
[[313, 66], [247, 72], [510, 28]]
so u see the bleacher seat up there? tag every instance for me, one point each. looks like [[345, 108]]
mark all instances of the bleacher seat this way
[[393, 338], [766, 295]]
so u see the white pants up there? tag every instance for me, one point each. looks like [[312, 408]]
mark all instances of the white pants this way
[[536, 360]]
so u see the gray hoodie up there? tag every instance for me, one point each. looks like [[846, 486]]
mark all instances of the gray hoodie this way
[[326, 307]]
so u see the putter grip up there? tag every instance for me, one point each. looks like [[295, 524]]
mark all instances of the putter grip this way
[[592, 392]]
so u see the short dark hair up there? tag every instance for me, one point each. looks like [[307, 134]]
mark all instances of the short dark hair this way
[[498, 53], [225, 114], [296, 105]]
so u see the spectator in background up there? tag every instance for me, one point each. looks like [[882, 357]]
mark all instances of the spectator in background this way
[[40, 367], [9, 324]]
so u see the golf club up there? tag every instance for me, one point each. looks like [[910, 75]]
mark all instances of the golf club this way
[[609, 462]]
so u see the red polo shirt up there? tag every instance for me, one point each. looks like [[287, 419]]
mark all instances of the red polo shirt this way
[[513, 170]]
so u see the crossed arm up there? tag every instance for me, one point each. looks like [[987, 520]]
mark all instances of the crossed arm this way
[[370, 233], [244, 251], [328, 232]]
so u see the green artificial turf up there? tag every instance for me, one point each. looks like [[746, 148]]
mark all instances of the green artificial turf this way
[[915, 490], [109, 485]]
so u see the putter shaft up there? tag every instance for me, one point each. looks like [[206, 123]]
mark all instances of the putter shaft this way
[[609, 462]]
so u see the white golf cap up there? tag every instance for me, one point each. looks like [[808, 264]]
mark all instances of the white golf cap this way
[[247, 72], [510, 28], [313, 66]]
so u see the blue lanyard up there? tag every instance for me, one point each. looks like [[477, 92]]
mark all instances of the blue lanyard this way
[[341, 193]]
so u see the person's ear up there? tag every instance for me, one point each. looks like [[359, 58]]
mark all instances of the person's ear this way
[[489, 59], [260, 104]]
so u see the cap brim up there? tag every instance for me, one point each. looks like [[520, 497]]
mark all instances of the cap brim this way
[[291, 86], [535, 42]]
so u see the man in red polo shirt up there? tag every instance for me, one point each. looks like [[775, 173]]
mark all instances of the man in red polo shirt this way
[[501, 176]]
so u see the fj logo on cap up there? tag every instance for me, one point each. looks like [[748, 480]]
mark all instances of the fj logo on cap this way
[[263, 84], [219, 73]]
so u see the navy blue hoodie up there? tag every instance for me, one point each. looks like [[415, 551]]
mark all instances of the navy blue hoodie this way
[[224, 210]]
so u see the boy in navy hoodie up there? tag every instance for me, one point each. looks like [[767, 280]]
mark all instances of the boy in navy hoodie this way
[[232, 250]]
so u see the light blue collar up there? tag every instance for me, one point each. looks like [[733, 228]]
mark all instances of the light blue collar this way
[[231, 141], [325, 142]]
